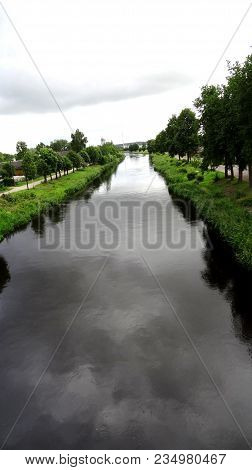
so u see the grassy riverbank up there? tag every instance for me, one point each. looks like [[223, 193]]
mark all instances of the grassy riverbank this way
[[226, 204], [17, 209]]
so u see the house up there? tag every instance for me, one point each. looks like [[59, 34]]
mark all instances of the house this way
[[17, 165]]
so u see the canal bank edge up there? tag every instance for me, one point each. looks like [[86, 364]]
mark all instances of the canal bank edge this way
[[224, 204], [18, 209]]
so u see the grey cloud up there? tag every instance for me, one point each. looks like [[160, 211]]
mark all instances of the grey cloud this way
[[21, 93]]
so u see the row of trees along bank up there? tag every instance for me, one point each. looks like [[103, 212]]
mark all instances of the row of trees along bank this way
[[222, 131], [57, 158]]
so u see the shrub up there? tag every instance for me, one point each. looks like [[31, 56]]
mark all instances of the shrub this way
[[239, 194], [191, 175], [204, 165], [95, 155], [85, 157], [8, 181], [200, 178], [246, 202], [196, 162]]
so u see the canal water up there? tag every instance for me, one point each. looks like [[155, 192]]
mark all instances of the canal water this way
[[138, 337]]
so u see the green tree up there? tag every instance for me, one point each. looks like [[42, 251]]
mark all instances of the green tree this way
[[29, 166], [109, 149], [47, 162], [171, 133], [75, 159], [231, 129], [21, 149], [187, 139], [6, 157], [240, 82], [43, 168], [7, 172], [85, 157], [40, 146], [151, 146], [161, 142], [66, 164], [59, 145], [78, 141], [95, 155], [212, 117], [59, 164], [133, 147]]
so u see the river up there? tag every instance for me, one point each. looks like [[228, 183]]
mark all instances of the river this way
[[144, 342]]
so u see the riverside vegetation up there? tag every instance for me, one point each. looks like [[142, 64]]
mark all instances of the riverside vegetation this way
[[225, 204], [87, 164], [221, 134]]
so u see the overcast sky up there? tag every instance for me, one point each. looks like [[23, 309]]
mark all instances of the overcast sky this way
[[118, 68]]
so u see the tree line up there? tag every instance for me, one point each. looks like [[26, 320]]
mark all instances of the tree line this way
[[221, 132], [57, 158], [135, 148]]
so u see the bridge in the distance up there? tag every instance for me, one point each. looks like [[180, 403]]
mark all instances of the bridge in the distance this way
[[126, 145]]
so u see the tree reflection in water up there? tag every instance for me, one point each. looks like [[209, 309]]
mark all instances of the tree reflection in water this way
[[234, 282], [4, 274]]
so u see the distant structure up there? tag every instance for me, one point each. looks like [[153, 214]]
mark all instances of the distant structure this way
[[18, 169], [126, 145]]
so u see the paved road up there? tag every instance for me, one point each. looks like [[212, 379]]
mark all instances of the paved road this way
[[24, 186]]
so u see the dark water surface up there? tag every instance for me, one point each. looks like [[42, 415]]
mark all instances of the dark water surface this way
[[155, 353]]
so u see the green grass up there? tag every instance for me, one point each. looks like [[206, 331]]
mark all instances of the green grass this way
[[4, 189], [17, 209], [225, 204]]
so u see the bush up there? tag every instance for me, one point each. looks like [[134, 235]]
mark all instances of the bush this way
[[85, 157], [200, 178], [204, 165], [239, 194], [8, 181], [95, 155], [246, 202], [182, 170], [133, 147], [191, 175], [196, 162]]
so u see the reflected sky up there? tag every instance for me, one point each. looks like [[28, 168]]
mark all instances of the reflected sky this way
[[126, 375]]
